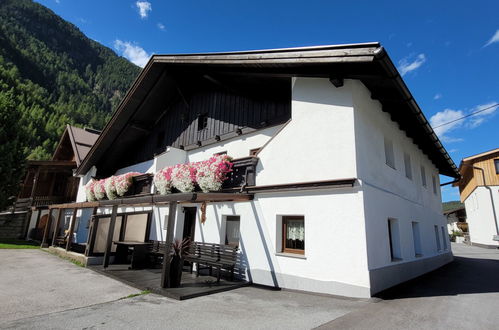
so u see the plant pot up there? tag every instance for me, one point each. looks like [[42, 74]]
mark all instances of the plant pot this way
[[175, 272]]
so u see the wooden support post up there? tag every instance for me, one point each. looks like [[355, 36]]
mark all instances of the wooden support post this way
[[91, 233], [35, 181], [56, 227], [110, 234], [172, 211], [46, 231], [71, 229]]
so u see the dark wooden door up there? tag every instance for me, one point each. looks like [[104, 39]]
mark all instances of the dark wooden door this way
[[189, 222]]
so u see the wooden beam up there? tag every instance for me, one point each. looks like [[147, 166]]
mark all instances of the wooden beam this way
[[91, 233], [46, 231], [172, 210], [71, 229], [56, 228], [35, 181], [110, 234]]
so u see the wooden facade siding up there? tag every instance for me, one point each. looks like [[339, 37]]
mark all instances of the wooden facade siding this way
[[473, 178], [231, 105]]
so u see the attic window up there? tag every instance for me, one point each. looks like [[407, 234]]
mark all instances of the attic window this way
[[202, 121]]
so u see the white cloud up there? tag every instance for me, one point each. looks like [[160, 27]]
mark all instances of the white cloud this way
[[161, 26], [144, 8], [494, 39], [410, 63], [437, 96], [448, 115], [481, 117], [132, 52]]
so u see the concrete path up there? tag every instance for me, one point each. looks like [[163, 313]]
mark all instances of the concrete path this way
[[34, 282], [461, 295]]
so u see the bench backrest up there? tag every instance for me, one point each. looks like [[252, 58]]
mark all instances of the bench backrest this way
[[218, 252]]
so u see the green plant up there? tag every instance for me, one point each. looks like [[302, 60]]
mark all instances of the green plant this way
[[137, 294]]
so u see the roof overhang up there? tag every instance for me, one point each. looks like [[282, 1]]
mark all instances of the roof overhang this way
[[368, 62]]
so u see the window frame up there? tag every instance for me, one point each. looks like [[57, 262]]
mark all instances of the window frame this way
[[285, 219], [496, 165], [202, 121], [408, 166], [227, 219], [389, 153], [423, 177]]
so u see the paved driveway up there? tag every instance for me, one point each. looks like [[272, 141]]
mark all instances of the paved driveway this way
[[34, 282], [460, 295]]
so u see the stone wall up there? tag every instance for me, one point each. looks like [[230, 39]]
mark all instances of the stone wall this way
[[12, 226]]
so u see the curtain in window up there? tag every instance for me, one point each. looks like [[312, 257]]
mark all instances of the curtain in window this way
[[295, 230]]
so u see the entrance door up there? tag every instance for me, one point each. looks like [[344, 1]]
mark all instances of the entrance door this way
[[189, 222]]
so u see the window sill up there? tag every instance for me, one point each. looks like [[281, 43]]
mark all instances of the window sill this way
[[418, 255], [390, 166], [396, 259], [291, 255]]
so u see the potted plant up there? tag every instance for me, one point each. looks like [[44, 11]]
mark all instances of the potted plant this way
[[179, 250]]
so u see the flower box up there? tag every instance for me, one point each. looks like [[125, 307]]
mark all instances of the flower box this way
[[243, 173]]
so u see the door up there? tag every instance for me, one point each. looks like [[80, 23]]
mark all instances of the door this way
[[189, 222]]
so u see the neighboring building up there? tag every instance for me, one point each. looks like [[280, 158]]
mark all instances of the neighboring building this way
[[345, 196], [479, 189], [456, 219], [51, 181]]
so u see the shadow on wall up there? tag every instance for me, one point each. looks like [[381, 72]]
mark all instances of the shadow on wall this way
[[462, 276]]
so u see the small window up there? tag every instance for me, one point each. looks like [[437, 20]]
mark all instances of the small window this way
[[232, 230], [434, 184], [437, 238], [496, 164], [408, 168], [202, 121], [389, 156], [253, 152], [394, 238], [417, 239], [293, 232], [444, 238], [423, 176]]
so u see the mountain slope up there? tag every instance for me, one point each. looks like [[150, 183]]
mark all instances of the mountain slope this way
[[51, 75], [59, 75]]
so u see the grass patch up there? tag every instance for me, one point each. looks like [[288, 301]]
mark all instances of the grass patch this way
[[18, 244], [73, 261], [137, 294]]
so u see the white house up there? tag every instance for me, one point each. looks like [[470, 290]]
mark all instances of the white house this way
[[479, 189], [345, 198]]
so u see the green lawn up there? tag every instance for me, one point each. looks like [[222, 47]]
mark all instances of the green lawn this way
[[18, 244]]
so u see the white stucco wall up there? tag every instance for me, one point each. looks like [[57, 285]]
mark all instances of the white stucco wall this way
[[389, 194], [318, 142], [480, 216]]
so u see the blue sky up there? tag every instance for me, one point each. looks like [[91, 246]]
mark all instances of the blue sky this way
[[447, 51]]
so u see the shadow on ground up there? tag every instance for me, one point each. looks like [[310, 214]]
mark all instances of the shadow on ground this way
[[465, 275]]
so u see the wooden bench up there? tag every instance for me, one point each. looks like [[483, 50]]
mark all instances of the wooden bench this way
[[156, 250], [213, 255]]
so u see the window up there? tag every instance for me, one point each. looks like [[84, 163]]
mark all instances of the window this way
[[423, 176], [389, 157], [444, 238], [408, 168], [232, 230], [394, 238], [434, 184], [496, 164], [202, 121], [437, 238], [417, 239], [293, 235]]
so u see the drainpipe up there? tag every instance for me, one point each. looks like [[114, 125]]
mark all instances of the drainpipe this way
[[496, 237]]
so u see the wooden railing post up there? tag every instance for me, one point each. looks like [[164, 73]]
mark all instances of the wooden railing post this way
[[46, 231], [71, 229], [172, 210], [91, 233], [56, 227], [110, 234]]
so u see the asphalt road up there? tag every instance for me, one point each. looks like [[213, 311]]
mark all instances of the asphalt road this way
[[461, 295]]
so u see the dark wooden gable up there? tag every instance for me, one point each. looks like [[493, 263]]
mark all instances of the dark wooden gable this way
[[188, 110], [64, 150]]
